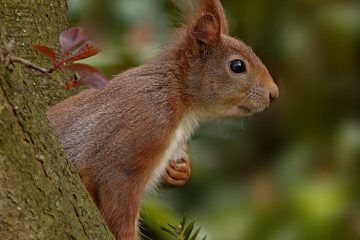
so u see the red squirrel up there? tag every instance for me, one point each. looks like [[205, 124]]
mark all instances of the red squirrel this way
[[122, 138]]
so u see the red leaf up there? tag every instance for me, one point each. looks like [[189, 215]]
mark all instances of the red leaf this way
[[93, 79], [72, 83], [87, 50], [46, 51], [89, 76], [80, 67], [71, 38]]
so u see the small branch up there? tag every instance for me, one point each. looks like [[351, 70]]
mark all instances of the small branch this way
[[6, 57], [29, 64], [79, 49]]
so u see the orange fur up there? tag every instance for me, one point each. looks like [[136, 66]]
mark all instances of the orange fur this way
[[118, 137]]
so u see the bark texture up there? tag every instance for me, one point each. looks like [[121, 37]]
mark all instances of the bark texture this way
[[41, 196]]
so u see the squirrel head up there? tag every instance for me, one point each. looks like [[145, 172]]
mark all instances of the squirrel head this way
[[222, 75]]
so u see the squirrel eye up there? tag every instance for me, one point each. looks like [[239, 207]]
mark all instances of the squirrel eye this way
[[237, 66]]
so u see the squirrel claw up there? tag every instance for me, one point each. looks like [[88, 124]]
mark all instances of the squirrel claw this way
[[177, 172]]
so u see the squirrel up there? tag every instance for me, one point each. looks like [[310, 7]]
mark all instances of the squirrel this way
[[121, 139]]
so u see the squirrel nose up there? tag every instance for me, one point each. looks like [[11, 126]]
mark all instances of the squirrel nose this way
[[274, 92]]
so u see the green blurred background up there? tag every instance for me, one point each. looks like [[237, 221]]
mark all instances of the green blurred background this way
[[292, 172]]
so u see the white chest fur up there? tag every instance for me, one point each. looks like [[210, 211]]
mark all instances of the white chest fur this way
[[182, 133]]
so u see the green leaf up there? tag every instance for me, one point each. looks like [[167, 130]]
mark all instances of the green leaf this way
[[174, 234], [173, 227], [183, 222], [189, 229], [183, 232], [196, 234]]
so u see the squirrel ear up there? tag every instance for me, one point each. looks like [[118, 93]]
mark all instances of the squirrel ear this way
[[214, 7], [207, 30]]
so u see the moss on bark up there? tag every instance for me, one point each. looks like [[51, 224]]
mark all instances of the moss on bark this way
[[41, 196]]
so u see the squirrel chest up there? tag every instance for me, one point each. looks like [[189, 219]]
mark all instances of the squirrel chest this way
[[175, 149]]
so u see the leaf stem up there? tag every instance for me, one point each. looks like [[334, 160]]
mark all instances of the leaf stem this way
[[28, 64]]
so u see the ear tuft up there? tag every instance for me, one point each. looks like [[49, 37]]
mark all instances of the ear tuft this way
[[207, 30], [214, 7]]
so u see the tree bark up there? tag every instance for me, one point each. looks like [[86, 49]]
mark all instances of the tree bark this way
[[41, 196]]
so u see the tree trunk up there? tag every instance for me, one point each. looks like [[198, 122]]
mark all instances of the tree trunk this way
[[41, 196]]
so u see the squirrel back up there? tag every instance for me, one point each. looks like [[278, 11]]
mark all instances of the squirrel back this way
[[120, 138], [128, 119]]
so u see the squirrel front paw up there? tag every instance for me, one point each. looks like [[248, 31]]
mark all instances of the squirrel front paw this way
[[177, 172]]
